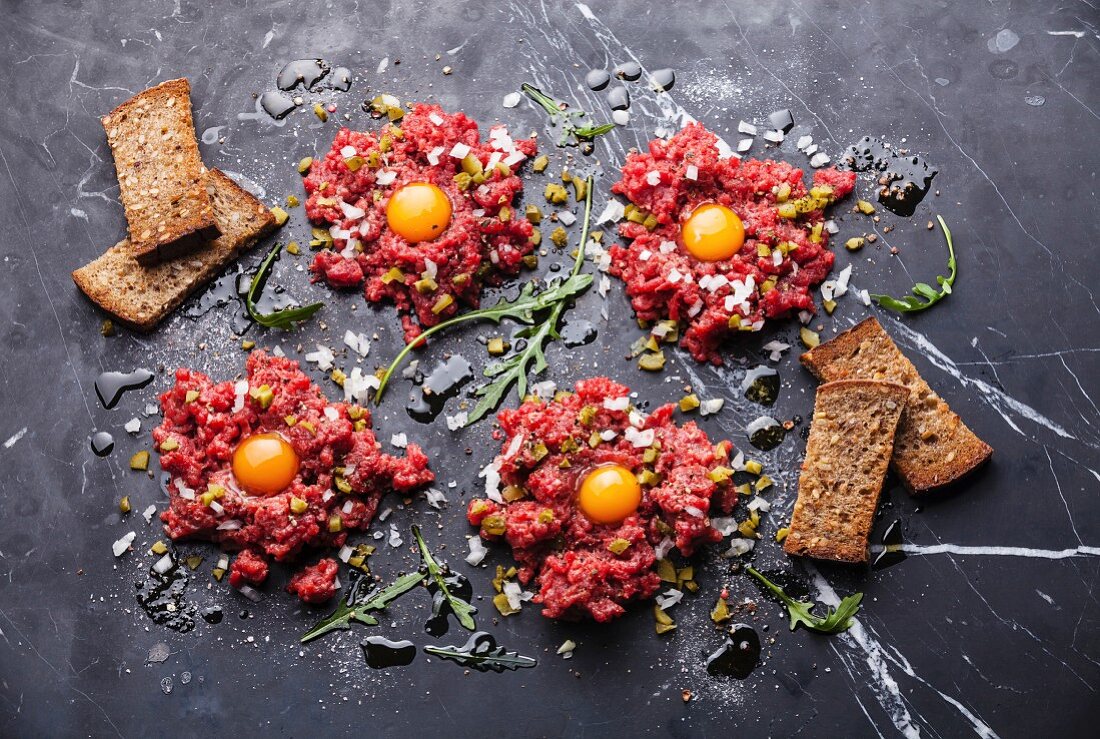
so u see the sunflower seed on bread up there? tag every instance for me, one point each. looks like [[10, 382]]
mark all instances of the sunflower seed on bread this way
[[847, 455], [934, 448], [141, 295], [160, 172]]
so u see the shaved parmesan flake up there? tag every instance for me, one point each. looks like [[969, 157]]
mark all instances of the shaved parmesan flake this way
[[477, 551]]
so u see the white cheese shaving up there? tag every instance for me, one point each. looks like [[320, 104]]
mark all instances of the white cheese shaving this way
[[119, 547], [669, 598], [617, 404], [612, 212], [322, 357], [477, 551], [639, 439], [710, 407]]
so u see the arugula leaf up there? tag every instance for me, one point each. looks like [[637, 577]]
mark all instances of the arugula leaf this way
[[359, 601], [285, 318], [482, 654], [835, 620], [462, 610], [514, 369], [524, 309], [561, 115], [913, 303]]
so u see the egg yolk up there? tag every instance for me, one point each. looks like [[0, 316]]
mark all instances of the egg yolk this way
[[713, 232], [609, 494], [265, 464], [418, 212]]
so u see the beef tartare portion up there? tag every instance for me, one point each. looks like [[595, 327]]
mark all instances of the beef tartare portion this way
[[420, 214], [590, 493], [719, 244], [268, 466]]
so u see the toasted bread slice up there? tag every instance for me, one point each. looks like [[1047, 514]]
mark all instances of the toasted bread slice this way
[[160, 173], [141, 295], [847, 455], [934, 447]]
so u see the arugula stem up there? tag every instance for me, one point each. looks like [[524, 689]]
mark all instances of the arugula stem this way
[[285, 318], [769, 584]]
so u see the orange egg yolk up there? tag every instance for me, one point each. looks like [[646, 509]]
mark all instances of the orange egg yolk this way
[[609, 494], [265, 464], [418, 212], [713, 232]]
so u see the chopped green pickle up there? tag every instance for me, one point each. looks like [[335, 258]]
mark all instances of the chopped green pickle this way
[[124, 504], [493, 524], [500, 600], [140, 460], [618, 546]]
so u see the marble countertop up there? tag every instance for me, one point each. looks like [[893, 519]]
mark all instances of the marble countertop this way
[[988, 626]]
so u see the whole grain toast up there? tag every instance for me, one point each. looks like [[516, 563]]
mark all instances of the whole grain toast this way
[[160, 172], [141, 295], [847, 455], [934, 448]]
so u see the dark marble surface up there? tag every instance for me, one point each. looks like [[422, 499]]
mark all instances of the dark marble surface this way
[[989, 626]]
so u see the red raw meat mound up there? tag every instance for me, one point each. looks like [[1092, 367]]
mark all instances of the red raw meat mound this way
[[485, 240], [782, 258], [549, 447], [342, 471]]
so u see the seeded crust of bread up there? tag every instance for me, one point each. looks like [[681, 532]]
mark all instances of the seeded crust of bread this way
[[847, 455], [141, 295], [160, 172], [934, 448]]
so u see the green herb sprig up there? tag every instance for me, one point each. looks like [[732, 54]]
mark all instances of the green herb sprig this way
[[462, 610], [525, 309], [561, 115], [285, 318], [835, 620], [924, 295], [360, 602]]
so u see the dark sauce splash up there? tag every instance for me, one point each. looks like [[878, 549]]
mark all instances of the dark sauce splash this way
[[578, 332], [111, 386], [381, 653], [482, 653], [305, 72], [738, 656], [903, 180], [102, 443], [442, 383], [891, 552], [766, 433], [161, 597], [761, 385]]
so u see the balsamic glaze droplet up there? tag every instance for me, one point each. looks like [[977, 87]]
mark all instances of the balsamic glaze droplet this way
[[306, 72], [663, 79], [739, 654], [618, 98], [381, 653], [444, 382], [597, 79], [102, 443], [761, 385], [891, 552], [276, 104], [628, 71], [766, 434], [578, 333], [111, 386], [903, 180], [161, 597], [212, 615], [782, 120]]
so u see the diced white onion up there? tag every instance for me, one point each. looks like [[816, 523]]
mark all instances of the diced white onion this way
[[460, 150], [477, 551]]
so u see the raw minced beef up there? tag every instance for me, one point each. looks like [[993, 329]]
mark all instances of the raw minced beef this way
[[549, 447], [342, 471], [484, 241], [781, 260]]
